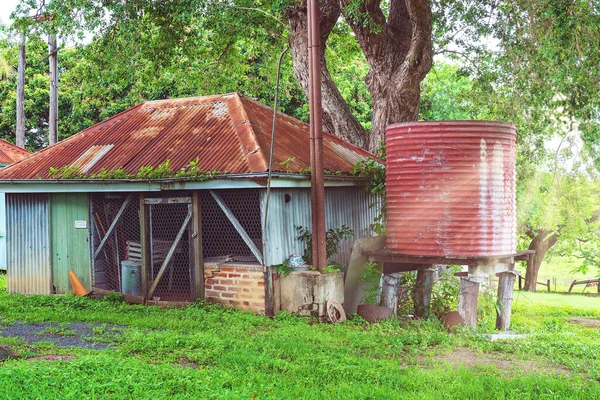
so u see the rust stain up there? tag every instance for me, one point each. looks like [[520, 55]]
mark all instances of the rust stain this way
[[228, 133], [451, 188], [9, 153]]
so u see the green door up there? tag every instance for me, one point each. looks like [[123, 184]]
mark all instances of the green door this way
[[69, 222]]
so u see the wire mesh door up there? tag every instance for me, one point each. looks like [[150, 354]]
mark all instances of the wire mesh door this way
[[171, 268], [114, 223]]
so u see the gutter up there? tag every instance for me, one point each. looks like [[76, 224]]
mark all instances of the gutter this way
[[241, 181]]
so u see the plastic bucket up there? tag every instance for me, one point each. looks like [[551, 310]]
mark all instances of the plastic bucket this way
[[131, 278]]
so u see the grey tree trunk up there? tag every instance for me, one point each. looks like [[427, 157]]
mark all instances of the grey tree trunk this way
[[541, 242], [506, 285], [20, 131], [337, 116], [390, 291], [53, 117], [467, 300], [422, 292]]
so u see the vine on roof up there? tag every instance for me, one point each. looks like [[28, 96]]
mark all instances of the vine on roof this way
[[163, 171]]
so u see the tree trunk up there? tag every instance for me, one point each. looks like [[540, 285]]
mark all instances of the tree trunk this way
[[337, 117], [53, 117], [20, 134], [393, 101], [541, 242], [397, 46]]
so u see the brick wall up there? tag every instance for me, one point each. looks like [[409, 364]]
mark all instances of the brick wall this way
[[241, 286]]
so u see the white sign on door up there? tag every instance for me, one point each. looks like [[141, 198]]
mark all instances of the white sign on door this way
[[80, 224]]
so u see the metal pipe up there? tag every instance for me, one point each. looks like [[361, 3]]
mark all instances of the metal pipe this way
[[272, 150], [319, 256]]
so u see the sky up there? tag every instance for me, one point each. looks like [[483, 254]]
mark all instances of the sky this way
[[6, 7]]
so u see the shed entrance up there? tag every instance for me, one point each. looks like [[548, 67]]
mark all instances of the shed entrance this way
[[158, 247], [171, 267]]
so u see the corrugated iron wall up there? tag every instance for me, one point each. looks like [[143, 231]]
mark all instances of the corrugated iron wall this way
[[28, 244], [289, 208]]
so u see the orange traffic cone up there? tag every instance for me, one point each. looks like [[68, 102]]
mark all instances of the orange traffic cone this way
[[78, 287]]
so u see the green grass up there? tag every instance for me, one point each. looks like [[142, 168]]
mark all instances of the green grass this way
[[560, 272], [241, 355]]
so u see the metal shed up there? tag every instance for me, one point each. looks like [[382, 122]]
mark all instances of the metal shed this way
[[9, 153], [184, 220]]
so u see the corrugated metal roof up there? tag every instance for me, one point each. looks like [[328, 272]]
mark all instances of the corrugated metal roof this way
[[226, 133], [9, 153]]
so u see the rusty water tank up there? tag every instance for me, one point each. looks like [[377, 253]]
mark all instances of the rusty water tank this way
[[451, 188]]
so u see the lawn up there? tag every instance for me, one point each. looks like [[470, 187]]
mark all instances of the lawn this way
[[560, 272], [206, 351]]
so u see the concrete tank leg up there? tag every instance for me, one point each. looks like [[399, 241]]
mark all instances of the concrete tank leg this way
[[506, 285], [390, 291], [467, 300], [423, 288]]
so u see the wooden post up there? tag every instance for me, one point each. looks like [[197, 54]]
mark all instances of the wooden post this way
[[390, 291], [20, 139], [520, 282], [269, 295], [197, 240], [53, 115], [548, 283], [423, 288], [144, 238], [506, 286], [467, 300]]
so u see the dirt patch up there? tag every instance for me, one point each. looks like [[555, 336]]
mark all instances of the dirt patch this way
[[75, 334], [510, 364], [51, 357], [586, 322], [186, 363]]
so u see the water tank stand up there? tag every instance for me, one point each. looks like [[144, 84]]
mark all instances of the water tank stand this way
[[480, 267]]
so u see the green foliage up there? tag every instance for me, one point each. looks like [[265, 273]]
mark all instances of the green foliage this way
[[567, 203], [162, 171], [287, 163], [445, 291], [371, 277], [334, 237], [66, 172], [284, 268], [373, 169], [331, 269], [118, 173]]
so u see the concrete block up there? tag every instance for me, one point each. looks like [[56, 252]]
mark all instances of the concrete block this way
[[307, 292]]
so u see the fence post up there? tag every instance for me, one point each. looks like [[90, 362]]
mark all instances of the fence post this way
[[548, 283], [520, 282]]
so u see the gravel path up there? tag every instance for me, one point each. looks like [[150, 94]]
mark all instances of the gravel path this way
[[79, 334]]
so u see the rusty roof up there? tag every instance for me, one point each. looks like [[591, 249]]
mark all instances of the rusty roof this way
[[9, 153], [227, 133]]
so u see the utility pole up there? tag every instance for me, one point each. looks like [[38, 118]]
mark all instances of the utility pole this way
[[53, 117], [319, 256], [20, 139]]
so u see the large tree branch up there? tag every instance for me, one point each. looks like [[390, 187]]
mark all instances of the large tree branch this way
[[367, 21], [551, 240], [420, 53], [337, 116], [399, 19], [329, 13]]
